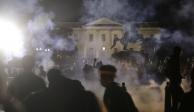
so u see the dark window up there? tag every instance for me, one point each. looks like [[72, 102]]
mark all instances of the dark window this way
[[91, 52], [91, 37], [103, 37]]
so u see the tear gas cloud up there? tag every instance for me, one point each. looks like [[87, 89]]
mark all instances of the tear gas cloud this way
[[39, 25], [124, 11], [131, 12]]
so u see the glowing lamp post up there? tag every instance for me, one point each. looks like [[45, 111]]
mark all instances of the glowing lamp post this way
[[103, 48], [37, 49]]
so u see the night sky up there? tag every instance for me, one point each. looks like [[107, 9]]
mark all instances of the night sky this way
[[67, 10], [164, 12]]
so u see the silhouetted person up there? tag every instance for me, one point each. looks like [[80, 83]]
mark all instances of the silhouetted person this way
[[116, 98], [91, 102], [87, 68], [188, 101], [172, 72], [62, 95], [94, 62], [115, 40], [27, 82], [88, 72], [99, 64], [168, 98]]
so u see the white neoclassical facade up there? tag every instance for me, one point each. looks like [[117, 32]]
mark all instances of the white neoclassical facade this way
[[94, 40]]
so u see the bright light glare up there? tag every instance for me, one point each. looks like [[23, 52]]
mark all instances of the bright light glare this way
[[11, 39], [103, 48]]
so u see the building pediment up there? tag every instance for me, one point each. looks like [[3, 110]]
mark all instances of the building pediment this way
[[104, 22]]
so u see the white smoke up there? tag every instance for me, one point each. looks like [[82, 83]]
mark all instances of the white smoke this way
[[187, 9], [128, 12], [124, 10], [38, 26], [177, 37]]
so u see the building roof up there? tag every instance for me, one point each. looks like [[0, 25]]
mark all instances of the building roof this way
[[104, 22]]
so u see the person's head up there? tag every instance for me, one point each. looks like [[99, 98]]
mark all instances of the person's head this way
[[54, 76], [107, 74], [177, 50], [28, 62], [41, 68]]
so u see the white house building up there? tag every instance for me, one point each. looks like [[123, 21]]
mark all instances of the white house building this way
[[95, 39]]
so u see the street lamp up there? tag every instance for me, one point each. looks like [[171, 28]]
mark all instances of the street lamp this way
[[103, 48]]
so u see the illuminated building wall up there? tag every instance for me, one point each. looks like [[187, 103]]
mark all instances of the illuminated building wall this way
[[96, 38]]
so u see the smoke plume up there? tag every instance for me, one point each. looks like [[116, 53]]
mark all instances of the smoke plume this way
[[124, 11], [174, 17], [38, 25]]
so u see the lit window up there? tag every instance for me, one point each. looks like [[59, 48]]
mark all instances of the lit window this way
[[103, 37], [91, 37]]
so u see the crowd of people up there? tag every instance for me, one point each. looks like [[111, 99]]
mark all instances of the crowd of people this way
[[29, 93]]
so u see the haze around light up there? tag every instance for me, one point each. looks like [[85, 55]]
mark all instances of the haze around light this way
[[11, 39]]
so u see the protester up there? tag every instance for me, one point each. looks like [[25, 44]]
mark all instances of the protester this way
[[116, 98], [62, 95], [173, 90], [27, 82]]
